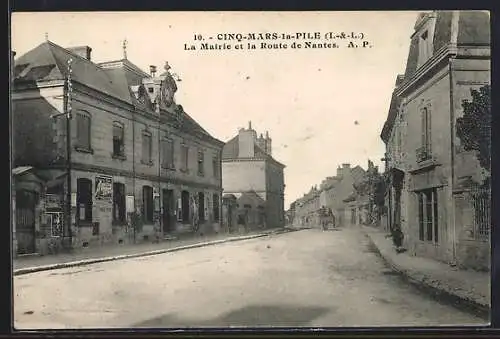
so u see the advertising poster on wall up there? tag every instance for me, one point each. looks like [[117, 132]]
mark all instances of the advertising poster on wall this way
[[104, 188]]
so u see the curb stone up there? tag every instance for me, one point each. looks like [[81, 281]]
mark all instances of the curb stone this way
[[458, 301], [34, 269]]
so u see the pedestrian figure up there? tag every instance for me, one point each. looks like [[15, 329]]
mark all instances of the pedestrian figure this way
[[195, 218]]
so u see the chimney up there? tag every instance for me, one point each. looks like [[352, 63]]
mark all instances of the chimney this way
[[152, 70], [82, 51], [268, 144], [249, 125], [246, 143], [261, 142]]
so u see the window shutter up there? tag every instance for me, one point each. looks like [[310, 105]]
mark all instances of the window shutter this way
[[144, 148], [423, 125], [171, 154]]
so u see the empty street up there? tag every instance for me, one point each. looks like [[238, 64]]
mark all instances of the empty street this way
[[304, 278]]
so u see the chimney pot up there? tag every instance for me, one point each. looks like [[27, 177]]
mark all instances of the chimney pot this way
[[152, 70], [82, 51], [249, 125]]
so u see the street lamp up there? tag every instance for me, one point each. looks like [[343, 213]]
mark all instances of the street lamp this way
[[68, 89]]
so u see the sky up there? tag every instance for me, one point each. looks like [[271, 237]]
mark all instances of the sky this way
[[321, 107]]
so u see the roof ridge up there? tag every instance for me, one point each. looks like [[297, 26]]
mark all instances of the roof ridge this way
[[56, 60], [79, 57], [126, 63]]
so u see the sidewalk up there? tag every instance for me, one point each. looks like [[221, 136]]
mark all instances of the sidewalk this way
[[29, 264], [465, 287]]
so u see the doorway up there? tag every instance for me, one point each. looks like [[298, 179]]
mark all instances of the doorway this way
[[168, 209], [25, 221], [201, 207]]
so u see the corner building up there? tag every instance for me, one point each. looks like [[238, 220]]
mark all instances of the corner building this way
[[133, 148]]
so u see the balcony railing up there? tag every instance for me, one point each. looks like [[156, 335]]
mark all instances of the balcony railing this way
[[423, 154]]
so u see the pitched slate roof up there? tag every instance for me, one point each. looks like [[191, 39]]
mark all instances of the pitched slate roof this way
[[231, 149], [473, 28], [393, 112], [48, 61], [250, 198], [358, 174], [118, 79]]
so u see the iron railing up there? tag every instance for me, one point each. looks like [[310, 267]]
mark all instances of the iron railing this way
[[481, 209]]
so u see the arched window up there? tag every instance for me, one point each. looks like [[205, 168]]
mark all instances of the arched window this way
[[83, 129]]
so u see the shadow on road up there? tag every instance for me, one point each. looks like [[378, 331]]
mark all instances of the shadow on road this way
[[258, 315]]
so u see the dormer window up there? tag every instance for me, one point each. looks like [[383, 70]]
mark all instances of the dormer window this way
[[424, 37], [424, 48], [151, 90]]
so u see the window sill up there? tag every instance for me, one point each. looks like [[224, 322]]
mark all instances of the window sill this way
[[150, 163], [183, 170], [121, 157], [84, 223], [424, 166], [169, 168], [84, 150]]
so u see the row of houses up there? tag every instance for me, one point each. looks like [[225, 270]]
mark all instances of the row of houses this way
[[109, 141], [433, 189], [341, 194], [436, 195]]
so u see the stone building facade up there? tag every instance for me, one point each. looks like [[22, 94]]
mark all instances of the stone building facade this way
[[334, 193], [306, 209], [134, 150], [339, 188], [248, 168], [431, 175]]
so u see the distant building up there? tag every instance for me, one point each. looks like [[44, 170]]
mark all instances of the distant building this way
[[434, 195], [335, 193], [360, 203], [249, 168], [133, 149], [306, 209], [341, 187]]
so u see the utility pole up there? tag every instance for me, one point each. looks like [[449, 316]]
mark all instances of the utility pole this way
[[68, 89], [68, 109]]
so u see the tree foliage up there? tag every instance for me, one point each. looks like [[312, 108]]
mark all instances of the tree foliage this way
[[474, 127]]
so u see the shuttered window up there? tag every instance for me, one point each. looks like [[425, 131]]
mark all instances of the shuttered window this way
[[147, 147], [118, 139], [83, 123], [147, 204], [167, 152]]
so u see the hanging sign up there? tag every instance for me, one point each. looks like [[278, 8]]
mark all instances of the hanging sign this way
[[104, 188]]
